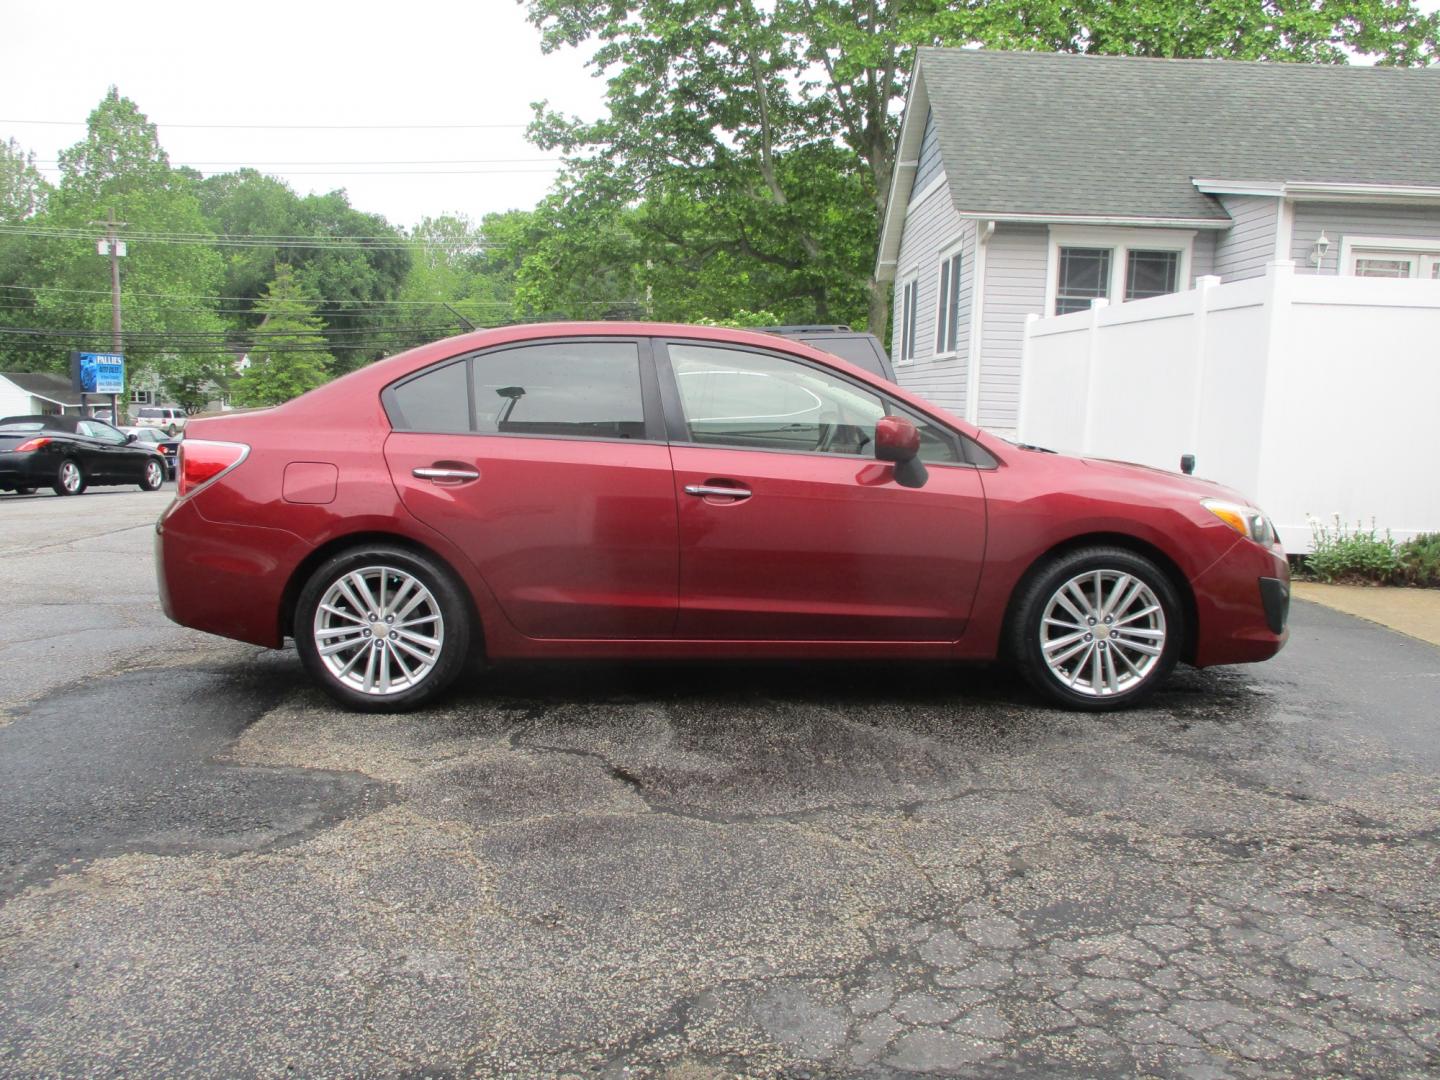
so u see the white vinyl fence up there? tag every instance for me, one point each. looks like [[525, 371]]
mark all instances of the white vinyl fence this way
[[1313, 395]]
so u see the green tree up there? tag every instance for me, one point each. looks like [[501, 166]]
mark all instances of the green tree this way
[[735, 104], [170, 273], [23, 195], [288, 355]]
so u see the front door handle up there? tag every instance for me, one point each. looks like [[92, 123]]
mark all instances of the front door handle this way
[[722, 490], [441, 476]]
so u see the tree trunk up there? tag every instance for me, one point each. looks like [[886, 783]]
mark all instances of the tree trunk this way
[[879, 318]]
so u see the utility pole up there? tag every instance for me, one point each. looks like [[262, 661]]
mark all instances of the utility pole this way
[[113, 246]]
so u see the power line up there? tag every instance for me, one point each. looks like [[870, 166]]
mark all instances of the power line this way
[[295, 127], [421, 161], [366, 303]]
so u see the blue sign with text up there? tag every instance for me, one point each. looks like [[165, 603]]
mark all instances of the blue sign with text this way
[[99, 373]]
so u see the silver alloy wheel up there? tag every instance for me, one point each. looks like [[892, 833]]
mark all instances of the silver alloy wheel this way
[[379, 630], [1103, 633], [153, 477], [70, 476]]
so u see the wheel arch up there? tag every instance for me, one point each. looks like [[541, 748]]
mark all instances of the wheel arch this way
[[340, 544], [1134, 544]]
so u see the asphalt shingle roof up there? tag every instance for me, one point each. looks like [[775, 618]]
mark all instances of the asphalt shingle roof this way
[[45, 384], [1061, 134]]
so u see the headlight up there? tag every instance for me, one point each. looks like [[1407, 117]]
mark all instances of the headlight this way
[[1245, 520]]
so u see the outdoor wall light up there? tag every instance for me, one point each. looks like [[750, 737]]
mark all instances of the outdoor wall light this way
[[1317, 253]]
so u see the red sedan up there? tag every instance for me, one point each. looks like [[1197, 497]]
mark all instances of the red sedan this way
[[637, 490]]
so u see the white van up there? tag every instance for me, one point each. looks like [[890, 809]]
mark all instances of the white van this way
[[158, 416]]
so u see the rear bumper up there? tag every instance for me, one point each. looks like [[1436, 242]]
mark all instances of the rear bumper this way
[[1242, 606], [30, 469], [224, 579]]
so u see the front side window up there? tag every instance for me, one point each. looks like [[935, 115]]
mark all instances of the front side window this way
[[762, 402], [758, 401], [1084, 276], [946, 322]]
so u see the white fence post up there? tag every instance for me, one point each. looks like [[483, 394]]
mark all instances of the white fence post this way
[[1092, 357], [1203, 285], [1025, 377]]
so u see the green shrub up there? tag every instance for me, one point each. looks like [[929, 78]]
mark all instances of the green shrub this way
[[1359, 554], [1420, 560]]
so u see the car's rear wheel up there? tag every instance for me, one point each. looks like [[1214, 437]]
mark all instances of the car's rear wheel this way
[[1098, 628], [154, 477], [382, 629], [69, 478]]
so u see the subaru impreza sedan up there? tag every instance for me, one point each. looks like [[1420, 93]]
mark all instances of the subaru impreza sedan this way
[[617, 491]]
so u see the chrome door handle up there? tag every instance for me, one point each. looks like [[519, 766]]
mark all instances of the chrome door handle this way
[[716, 489], [445, 474]]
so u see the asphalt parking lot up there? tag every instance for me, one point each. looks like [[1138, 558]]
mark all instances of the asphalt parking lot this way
[[695, 872]]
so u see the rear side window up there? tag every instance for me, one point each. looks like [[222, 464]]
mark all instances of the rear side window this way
[[153, 414], [439, 400], [587, 389], [566, 388]]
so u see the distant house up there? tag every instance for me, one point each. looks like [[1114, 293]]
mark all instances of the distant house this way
[[1037, 183], [39, 393]]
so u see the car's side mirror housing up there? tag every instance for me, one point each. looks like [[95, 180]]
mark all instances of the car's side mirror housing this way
[[130, 436], [897, 440]]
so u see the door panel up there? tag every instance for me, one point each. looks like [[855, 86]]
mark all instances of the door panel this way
[[575, 537], [825, 548]]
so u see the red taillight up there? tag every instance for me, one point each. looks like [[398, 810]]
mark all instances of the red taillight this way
[[202, 461], [32, 444]]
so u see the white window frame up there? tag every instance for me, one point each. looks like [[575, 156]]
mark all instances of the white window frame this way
[[908, 323], [947, 256], [1120, 242], [1425, 251], [142, 397]]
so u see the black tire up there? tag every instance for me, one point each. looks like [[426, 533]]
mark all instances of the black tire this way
[[1101, 647], [154, 478], [449, 605], [69, 478]]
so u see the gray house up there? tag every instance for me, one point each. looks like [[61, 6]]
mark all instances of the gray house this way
[[1036, 183]]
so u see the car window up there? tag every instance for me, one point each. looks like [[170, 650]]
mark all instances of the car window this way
[[438, 400], [22, 427], [733, 397], [153, 414], [937, 445], [97, 430], [580, 388]]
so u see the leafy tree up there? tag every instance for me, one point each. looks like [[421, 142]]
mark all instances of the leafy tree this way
[[120, 166], [23, 194], [289, 354], [23, 190], [735, 104]]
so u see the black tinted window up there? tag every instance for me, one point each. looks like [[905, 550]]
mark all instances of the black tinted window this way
[[564, 388], [436, 401], [860, 351]]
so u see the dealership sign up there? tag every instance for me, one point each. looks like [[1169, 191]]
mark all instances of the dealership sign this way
[[98, 372]]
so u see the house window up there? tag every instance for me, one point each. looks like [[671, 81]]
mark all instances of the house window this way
[[142, 397], [1390, 257], [908, 297], [946, 330], [1084, 276], [1151, 273]]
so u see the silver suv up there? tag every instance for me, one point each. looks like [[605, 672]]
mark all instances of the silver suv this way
[[158, 416]]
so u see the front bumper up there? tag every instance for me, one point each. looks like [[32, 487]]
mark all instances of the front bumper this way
[[1242, 606]]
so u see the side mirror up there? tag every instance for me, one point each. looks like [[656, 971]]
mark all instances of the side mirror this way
[[130, 436], [897, 440]]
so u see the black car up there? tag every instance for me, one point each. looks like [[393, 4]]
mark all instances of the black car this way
[[169, 445], [69, 453], [859, 348]]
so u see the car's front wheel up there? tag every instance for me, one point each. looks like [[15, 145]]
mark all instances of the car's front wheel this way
[[1098, 628], [154, 476], [69, 478], [382, 629]]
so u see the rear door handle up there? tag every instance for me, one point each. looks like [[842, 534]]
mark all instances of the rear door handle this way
[[440, 476], [708, 490]]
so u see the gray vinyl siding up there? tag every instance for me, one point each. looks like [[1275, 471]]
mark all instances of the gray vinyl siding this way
[[1202, 256], [1014, 287], [1244, 249], [932, 227], [929, 165], [1339, 220]]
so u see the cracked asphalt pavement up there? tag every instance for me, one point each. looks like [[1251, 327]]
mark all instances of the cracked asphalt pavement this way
[[694, 872]]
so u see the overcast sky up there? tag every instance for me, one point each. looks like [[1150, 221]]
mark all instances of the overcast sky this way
[[411, 63], [270, 64]]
